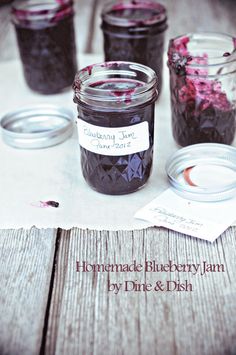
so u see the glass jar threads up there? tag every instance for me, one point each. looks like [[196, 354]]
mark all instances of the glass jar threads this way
[[116, 125], [46, 41], [203, 88], [134, 31]]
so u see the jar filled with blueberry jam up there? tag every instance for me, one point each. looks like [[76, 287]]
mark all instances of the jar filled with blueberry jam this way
[[46, 41], [134, 31], [115, 103], [203, 88]]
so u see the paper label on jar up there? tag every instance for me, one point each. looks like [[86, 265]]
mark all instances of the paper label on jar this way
[[113, 141]]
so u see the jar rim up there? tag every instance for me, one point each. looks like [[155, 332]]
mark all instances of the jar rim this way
[[158, 18], [116, 69], [36, 10], [214, 61]]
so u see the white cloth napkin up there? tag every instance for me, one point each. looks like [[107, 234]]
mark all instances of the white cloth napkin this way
[[29, 176]]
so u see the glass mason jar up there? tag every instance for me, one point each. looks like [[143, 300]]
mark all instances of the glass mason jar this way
[[203, 88], [134, 31], [46, 41], [116, 125]]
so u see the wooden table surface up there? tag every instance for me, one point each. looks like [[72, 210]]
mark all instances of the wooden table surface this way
[[46, 307]]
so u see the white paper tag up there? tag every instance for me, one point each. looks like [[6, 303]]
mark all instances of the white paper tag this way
[[113, 141], [204, 220]]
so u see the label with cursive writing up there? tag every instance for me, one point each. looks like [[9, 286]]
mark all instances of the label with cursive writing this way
[[205, 220], [113, 141]]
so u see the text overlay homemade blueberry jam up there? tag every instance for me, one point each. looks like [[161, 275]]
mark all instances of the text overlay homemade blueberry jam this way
[[46, 41], [115, 103], [134, 31]]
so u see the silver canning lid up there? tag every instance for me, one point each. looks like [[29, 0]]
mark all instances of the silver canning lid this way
[[38, 126], [203, 172]]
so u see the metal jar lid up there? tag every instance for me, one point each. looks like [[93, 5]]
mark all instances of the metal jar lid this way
[[38, 126], [203, 172]]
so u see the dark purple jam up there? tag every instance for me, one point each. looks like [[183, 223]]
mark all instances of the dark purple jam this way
[[4, 2], [134, 32], [116, 175], [201, 111], [47, 50]]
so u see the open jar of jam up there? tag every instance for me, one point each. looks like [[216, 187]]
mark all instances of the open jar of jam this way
[[116, 125], [46, 41], [134, 31], [203, 88]]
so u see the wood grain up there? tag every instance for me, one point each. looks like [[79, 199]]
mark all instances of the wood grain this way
[[25, 272], [87, 319], [81, 316], [57, 294]]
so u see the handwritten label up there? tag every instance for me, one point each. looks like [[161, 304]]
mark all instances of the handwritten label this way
[[113, 141], [199, 219], [172, 218]]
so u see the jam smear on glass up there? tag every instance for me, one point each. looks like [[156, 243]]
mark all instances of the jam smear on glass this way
[[46, 41], [120, 106], [202, 99]]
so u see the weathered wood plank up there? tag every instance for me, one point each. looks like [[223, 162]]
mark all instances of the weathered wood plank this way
[[87, 319], [57, 294], [26, 261]]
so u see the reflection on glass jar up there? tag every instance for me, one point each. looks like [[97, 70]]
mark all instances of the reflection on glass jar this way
[[116, 125], [203, 88], [46, 40], [134, 31]]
